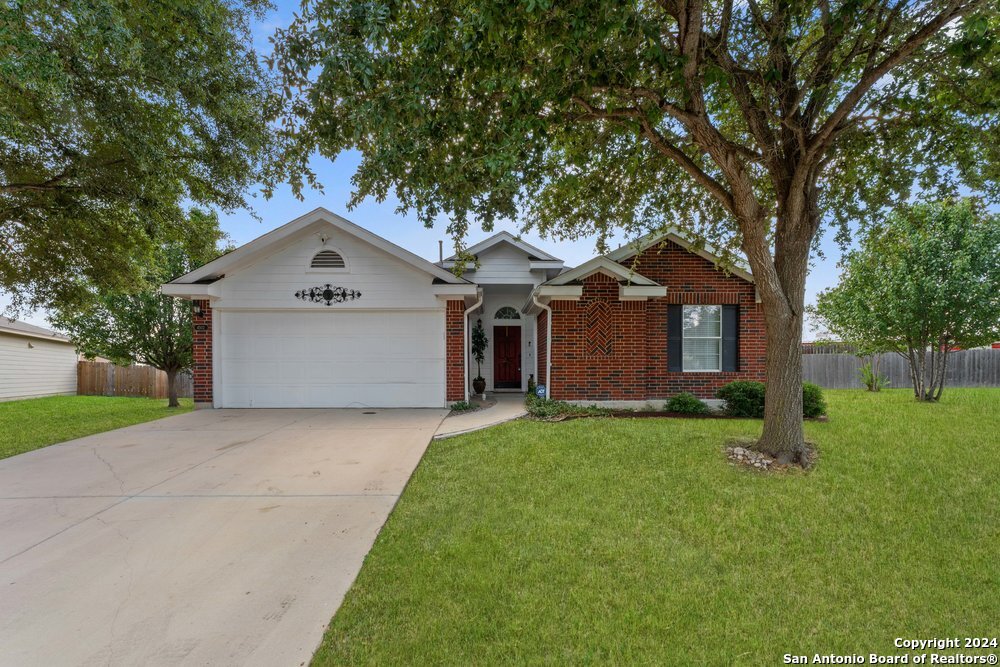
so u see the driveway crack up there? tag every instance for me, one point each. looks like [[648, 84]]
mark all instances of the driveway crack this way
[[128, 588], [111, 468]]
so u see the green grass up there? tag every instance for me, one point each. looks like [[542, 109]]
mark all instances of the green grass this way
[[39, 422], [633, 541]]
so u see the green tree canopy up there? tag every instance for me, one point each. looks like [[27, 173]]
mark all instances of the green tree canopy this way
[[113, 116], [745, 123], [146, 326], [922, 283]]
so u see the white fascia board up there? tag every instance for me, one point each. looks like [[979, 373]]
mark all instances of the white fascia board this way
[[640, 292], [189, 291], [54, 338], [463, 290], [244, 253], [560, 292], [634, 248], [542, 265], [603, 265], [507, 237]]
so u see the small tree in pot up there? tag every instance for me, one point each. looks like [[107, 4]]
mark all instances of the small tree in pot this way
[[479, 344]]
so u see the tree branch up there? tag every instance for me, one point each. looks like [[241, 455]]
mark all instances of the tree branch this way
[[825, 135]]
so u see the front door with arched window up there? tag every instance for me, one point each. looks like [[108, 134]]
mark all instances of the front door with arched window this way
[[507, 349]]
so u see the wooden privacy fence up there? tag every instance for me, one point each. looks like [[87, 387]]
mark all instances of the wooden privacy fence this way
[[102, 378], [966, 368]]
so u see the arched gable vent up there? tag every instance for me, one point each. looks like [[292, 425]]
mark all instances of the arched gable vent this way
[[328, 259]]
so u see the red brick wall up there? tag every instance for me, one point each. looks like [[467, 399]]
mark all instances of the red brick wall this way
[[583, 367], [637, 367], [201, 371], [542, 348], [455, 350]]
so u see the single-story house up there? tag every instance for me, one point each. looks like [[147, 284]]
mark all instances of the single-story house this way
[[323, 313], [34, 361]]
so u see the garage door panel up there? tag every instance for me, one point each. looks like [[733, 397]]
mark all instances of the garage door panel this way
[[332, 359]]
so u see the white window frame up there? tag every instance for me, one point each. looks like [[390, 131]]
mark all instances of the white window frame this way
[[516, 318], [685, 337]]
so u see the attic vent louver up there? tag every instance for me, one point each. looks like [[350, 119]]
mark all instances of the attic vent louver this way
[[328, 259]]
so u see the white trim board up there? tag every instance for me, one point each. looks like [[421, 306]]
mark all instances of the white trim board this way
[[247, 253]]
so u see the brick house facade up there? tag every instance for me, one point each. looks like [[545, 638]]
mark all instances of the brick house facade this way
[[605, 348], [455, 350], [322, 313], [201, 370]]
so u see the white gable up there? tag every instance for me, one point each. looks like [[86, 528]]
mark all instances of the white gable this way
[[381, 279]]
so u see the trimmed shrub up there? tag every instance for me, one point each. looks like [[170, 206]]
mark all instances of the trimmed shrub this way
[[462, 406], [813, 403], [744, 398], [687, 403]]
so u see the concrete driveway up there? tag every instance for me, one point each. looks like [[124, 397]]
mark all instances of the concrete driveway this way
[[218, 537]]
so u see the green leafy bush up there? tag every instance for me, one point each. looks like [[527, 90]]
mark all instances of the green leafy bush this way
[[813, 403], [687, 403], [746, 399], [462, 406], [544, 408], [743, 398]]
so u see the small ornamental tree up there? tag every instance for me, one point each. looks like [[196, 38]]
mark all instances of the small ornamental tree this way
[[145, 326], [749, 124], [479, 345], [925, 282]]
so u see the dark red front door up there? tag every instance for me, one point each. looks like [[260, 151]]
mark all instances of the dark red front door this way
[[506, 357]]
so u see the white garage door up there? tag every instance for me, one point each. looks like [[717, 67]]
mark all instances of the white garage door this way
[[332, 359]]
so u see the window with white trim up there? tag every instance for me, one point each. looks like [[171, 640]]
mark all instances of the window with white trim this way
[[702, 350], [507, 313]]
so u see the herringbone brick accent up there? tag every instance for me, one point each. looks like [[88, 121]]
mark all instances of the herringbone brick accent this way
[[600, 329], [618, 350]]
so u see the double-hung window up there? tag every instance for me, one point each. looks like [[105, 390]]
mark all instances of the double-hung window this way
[[702, 345]]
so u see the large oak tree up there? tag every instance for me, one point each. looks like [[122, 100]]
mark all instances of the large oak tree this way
[[114, 116], [749, 123]]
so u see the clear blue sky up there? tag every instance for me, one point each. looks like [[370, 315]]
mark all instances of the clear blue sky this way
[[382, 219]]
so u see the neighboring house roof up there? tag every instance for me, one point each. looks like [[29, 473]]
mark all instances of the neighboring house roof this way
[[249, 252], [535, 254], [674, 235], [9, 326], [600, 265]]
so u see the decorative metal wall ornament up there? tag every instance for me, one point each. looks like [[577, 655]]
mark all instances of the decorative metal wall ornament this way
[[327, 294]]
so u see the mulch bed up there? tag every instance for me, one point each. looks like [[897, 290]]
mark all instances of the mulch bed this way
[[643, 414]]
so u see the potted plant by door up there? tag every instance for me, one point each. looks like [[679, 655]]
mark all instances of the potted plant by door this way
[[479, 344]]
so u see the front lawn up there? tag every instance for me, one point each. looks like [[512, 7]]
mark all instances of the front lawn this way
[[632, 540], [38, 422]]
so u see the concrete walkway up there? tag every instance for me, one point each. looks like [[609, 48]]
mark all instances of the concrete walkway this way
[[507, 407], [218, 537]]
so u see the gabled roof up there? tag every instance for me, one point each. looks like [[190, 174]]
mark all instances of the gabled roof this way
[[674, 235], [249, 252], [535, 254], [9, 326], [603, 265]]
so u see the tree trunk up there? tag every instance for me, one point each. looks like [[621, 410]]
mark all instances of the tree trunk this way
[[172, 401], [784, 304], [783, 436]]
